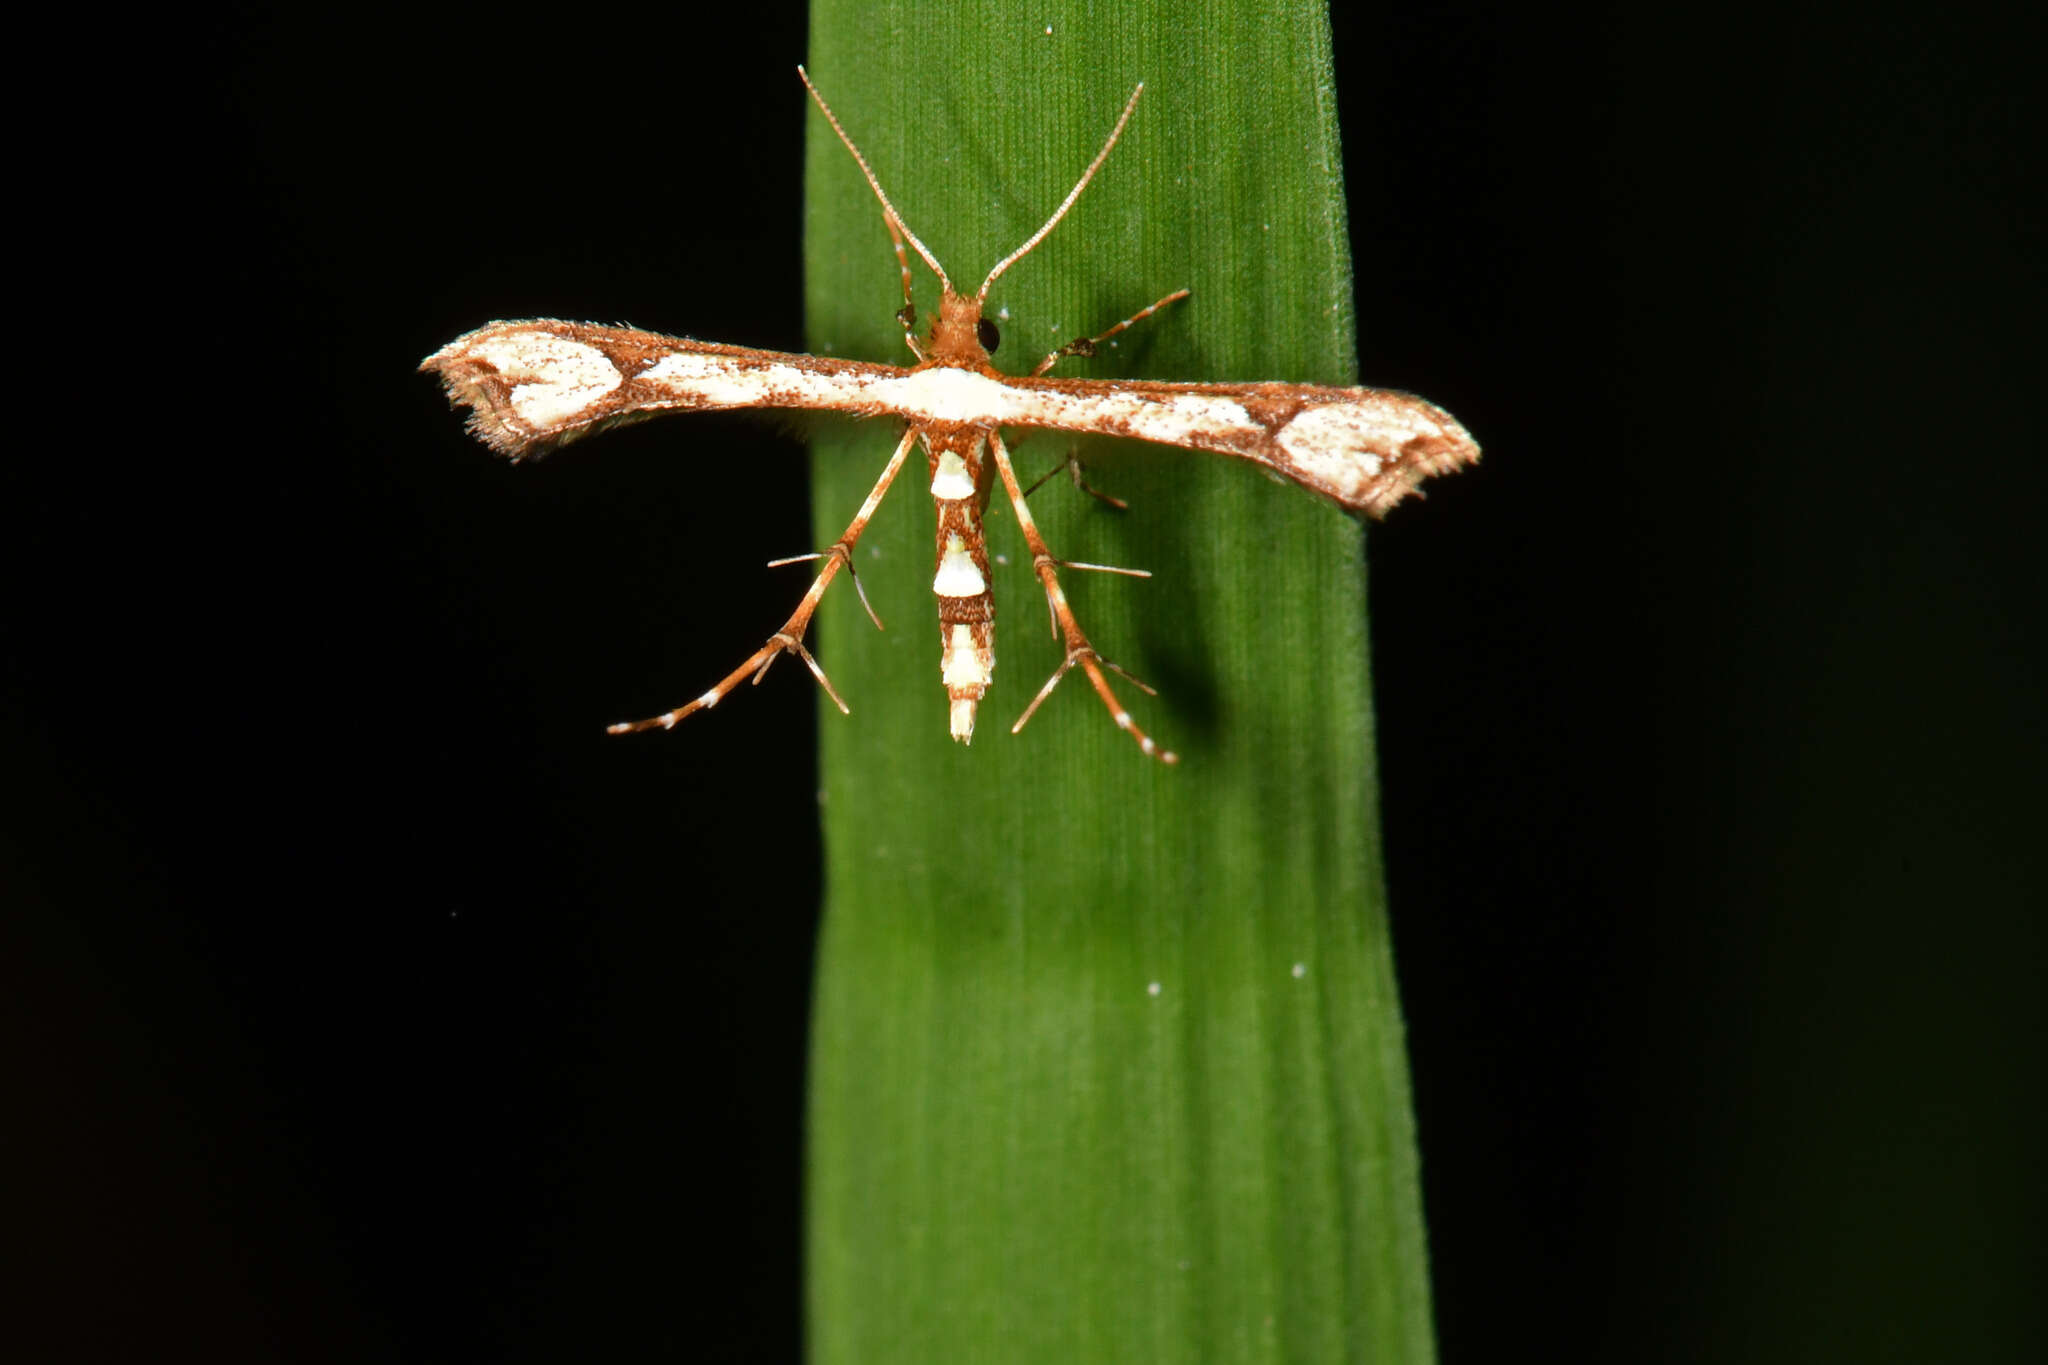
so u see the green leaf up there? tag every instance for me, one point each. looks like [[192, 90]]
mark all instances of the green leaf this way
[[1107, 1059]]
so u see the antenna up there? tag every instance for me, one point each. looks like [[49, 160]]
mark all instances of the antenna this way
[[898, 229], [1065, 204]]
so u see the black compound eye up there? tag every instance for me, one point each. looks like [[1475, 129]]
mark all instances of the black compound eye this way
[[985, 332]]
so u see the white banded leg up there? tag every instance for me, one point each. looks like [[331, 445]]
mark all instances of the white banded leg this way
[[1072, 467], [1085, 346], [790, 639], [1079, 652]]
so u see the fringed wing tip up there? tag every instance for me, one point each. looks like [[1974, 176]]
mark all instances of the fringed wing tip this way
[[473, 383], [1420, 457]]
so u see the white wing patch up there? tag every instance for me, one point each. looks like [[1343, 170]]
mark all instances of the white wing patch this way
[[942, 395], [1178, 419], [1334, 443], [1201, 420], [720, 381], [553, 378], [953, 395]]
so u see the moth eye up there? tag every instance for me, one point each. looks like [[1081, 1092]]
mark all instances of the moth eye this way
[[985, 332]]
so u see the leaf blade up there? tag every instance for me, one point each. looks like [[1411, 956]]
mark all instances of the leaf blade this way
[[1106, 1056]]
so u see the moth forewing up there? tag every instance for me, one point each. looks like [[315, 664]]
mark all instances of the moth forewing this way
[[1362, 448], [535, 384]]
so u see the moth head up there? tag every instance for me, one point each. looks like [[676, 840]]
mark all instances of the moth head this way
[[960, 335]]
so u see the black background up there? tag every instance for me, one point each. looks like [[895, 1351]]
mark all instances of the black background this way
[[373, 1005]]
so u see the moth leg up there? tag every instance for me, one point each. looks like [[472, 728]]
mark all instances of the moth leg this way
[[790, 639], [1085, 346], [851, 572], [1080, 653], [1072, 467]]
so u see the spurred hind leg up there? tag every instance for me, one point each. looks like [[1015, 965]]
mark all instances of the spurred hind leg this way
[[790, 639], [1079, 651]]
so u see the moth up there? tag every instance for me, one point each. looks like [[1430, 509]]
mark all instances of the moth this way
[[536, 384]]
